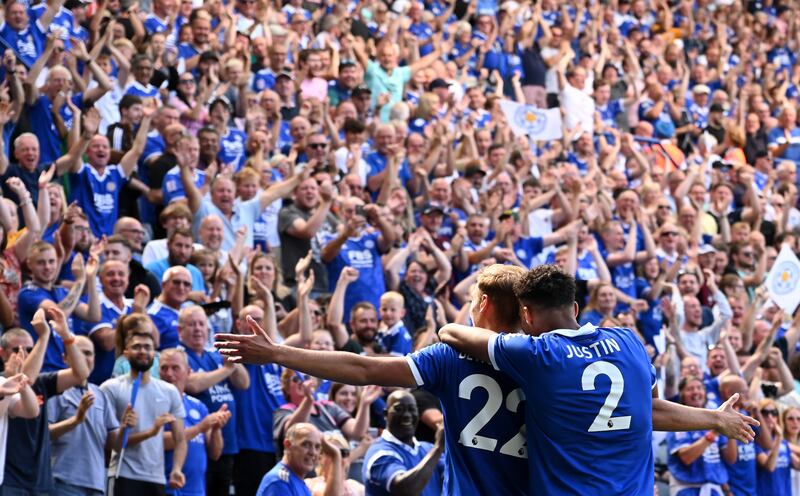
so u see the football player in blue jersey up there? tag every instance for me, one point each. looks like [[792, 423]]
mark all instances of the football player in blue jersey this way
[[301, 449], [484, 420], [592, 388]]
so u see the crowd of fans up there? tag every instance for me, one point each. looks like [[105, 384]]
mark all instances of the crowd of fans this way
[[342, 173]]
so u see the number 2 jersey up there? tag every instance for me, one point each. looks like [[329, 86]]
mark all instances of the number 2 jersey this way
[[589, 415], [483, 420]]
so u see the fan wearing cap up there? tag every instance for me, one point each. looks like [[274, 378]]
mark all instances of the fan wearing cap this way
[[699, 106], [659, 109]]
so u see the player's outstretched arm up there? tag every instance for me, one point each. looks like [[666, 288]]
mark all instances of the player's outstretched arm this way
[[474, 341], [670, 416], [339, 366]]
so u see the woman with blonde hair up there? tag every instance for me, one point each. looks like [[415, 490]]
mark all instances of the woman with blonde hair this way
[[264, 273], [773, 474], [602, 302], [791, 432]]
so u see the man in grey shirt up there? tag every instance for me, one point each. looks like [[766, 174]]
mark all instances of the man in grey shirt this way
[[82, 426], [157, 404]]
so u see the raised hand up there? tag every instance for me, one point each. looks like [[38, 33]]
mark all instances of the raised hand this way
[[304, 288], [302, 266], [46, 176], [254, 348], [349, 275], [78, 269], [733, 424], [58, 321], [91, 267], [14, 384], [87, 400], [370, 394], [39, 323], [16, 185], [91, 121], [141, 296]]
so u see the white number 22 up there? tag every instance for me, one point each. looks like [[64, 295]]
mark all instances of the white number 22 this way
[[469, 435], [604, 422]]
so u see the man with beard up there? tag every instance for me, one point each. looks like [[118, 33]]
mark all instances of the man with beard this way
[[42, 292], [397, 463], [113, 305], [158, 403], [212, 381], [179, 248], [164, 310], [208, 139], [302, 447]]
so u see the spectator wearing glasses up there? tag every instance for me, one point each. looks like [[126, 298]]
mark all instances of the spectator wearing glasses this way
[[177, 283], [133, 231], [775, 463], [748, 260], [190, 100]]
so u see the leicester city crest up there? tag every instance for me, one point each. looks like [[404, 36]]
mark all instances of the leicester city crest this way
[[533, 120], [787, 278]]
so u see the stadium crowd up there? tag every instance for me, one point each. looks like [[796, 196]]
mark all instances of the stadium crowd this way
[[342, 176]]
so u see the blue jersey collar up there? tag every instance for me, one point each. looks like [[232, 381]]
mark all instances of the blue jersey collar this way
[[585, 330]]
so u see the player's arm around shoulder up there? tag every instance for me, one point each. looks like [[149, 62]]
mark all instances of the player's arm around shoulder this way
[[474, 341]]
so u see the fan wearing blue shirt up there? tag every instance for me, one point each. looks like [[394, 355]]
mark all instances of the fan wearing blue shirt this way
[[464, 386], [42, 292], [775, 464], [254, 408], [213, 381], [603, 410], [301, 449], [25, 37], [177, 284], [96, 185], [358, 245], [392, 333], [397, 463], [203, 431], [113, 305], [783, 141]]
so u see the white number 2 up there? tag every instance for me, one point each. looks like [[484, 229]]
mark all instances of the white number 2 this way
[[604, 422], [469, 436]]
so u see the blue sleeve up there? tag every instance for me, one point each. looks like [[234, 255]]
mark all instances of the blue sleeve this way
[[403, 345], [382, 467], [535, 245], [430, 364], [774, 136], [677, 440], [514, 354], [276, 488]]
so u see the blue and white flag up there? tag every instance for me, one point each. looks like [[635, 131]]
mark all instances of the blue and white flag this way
[[783, 281], [527, 120]]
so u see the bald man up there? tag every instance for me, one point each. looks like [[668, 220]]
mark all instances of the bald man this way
[[302, 447]]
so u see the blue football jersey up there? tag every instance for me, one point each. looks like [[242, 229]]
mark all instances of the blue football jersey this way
[[707, 468], [592, 389], [387, 457], [778, 482], [255, 405], [98, 196], [484, 422], [281, 481], [166, 321], [742, 474], [196, 463], [104, 360], [360, 252]]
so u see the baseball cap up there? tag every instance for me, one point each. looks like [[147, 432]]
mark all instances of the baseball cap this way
[[287, 73], [209, 55], [701, 88], [430, 208], [508, 214], [716, 107], [472, 170], [705, 249], [361, 90], [438, 83]]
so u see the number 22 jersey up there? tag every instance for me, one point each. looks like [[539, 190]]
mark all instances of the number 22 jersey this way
[[483, 420], [589, 416]]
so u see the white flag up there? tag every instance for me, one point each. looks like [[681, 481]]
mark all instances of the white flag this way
[[527, 120], [783, 281]]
